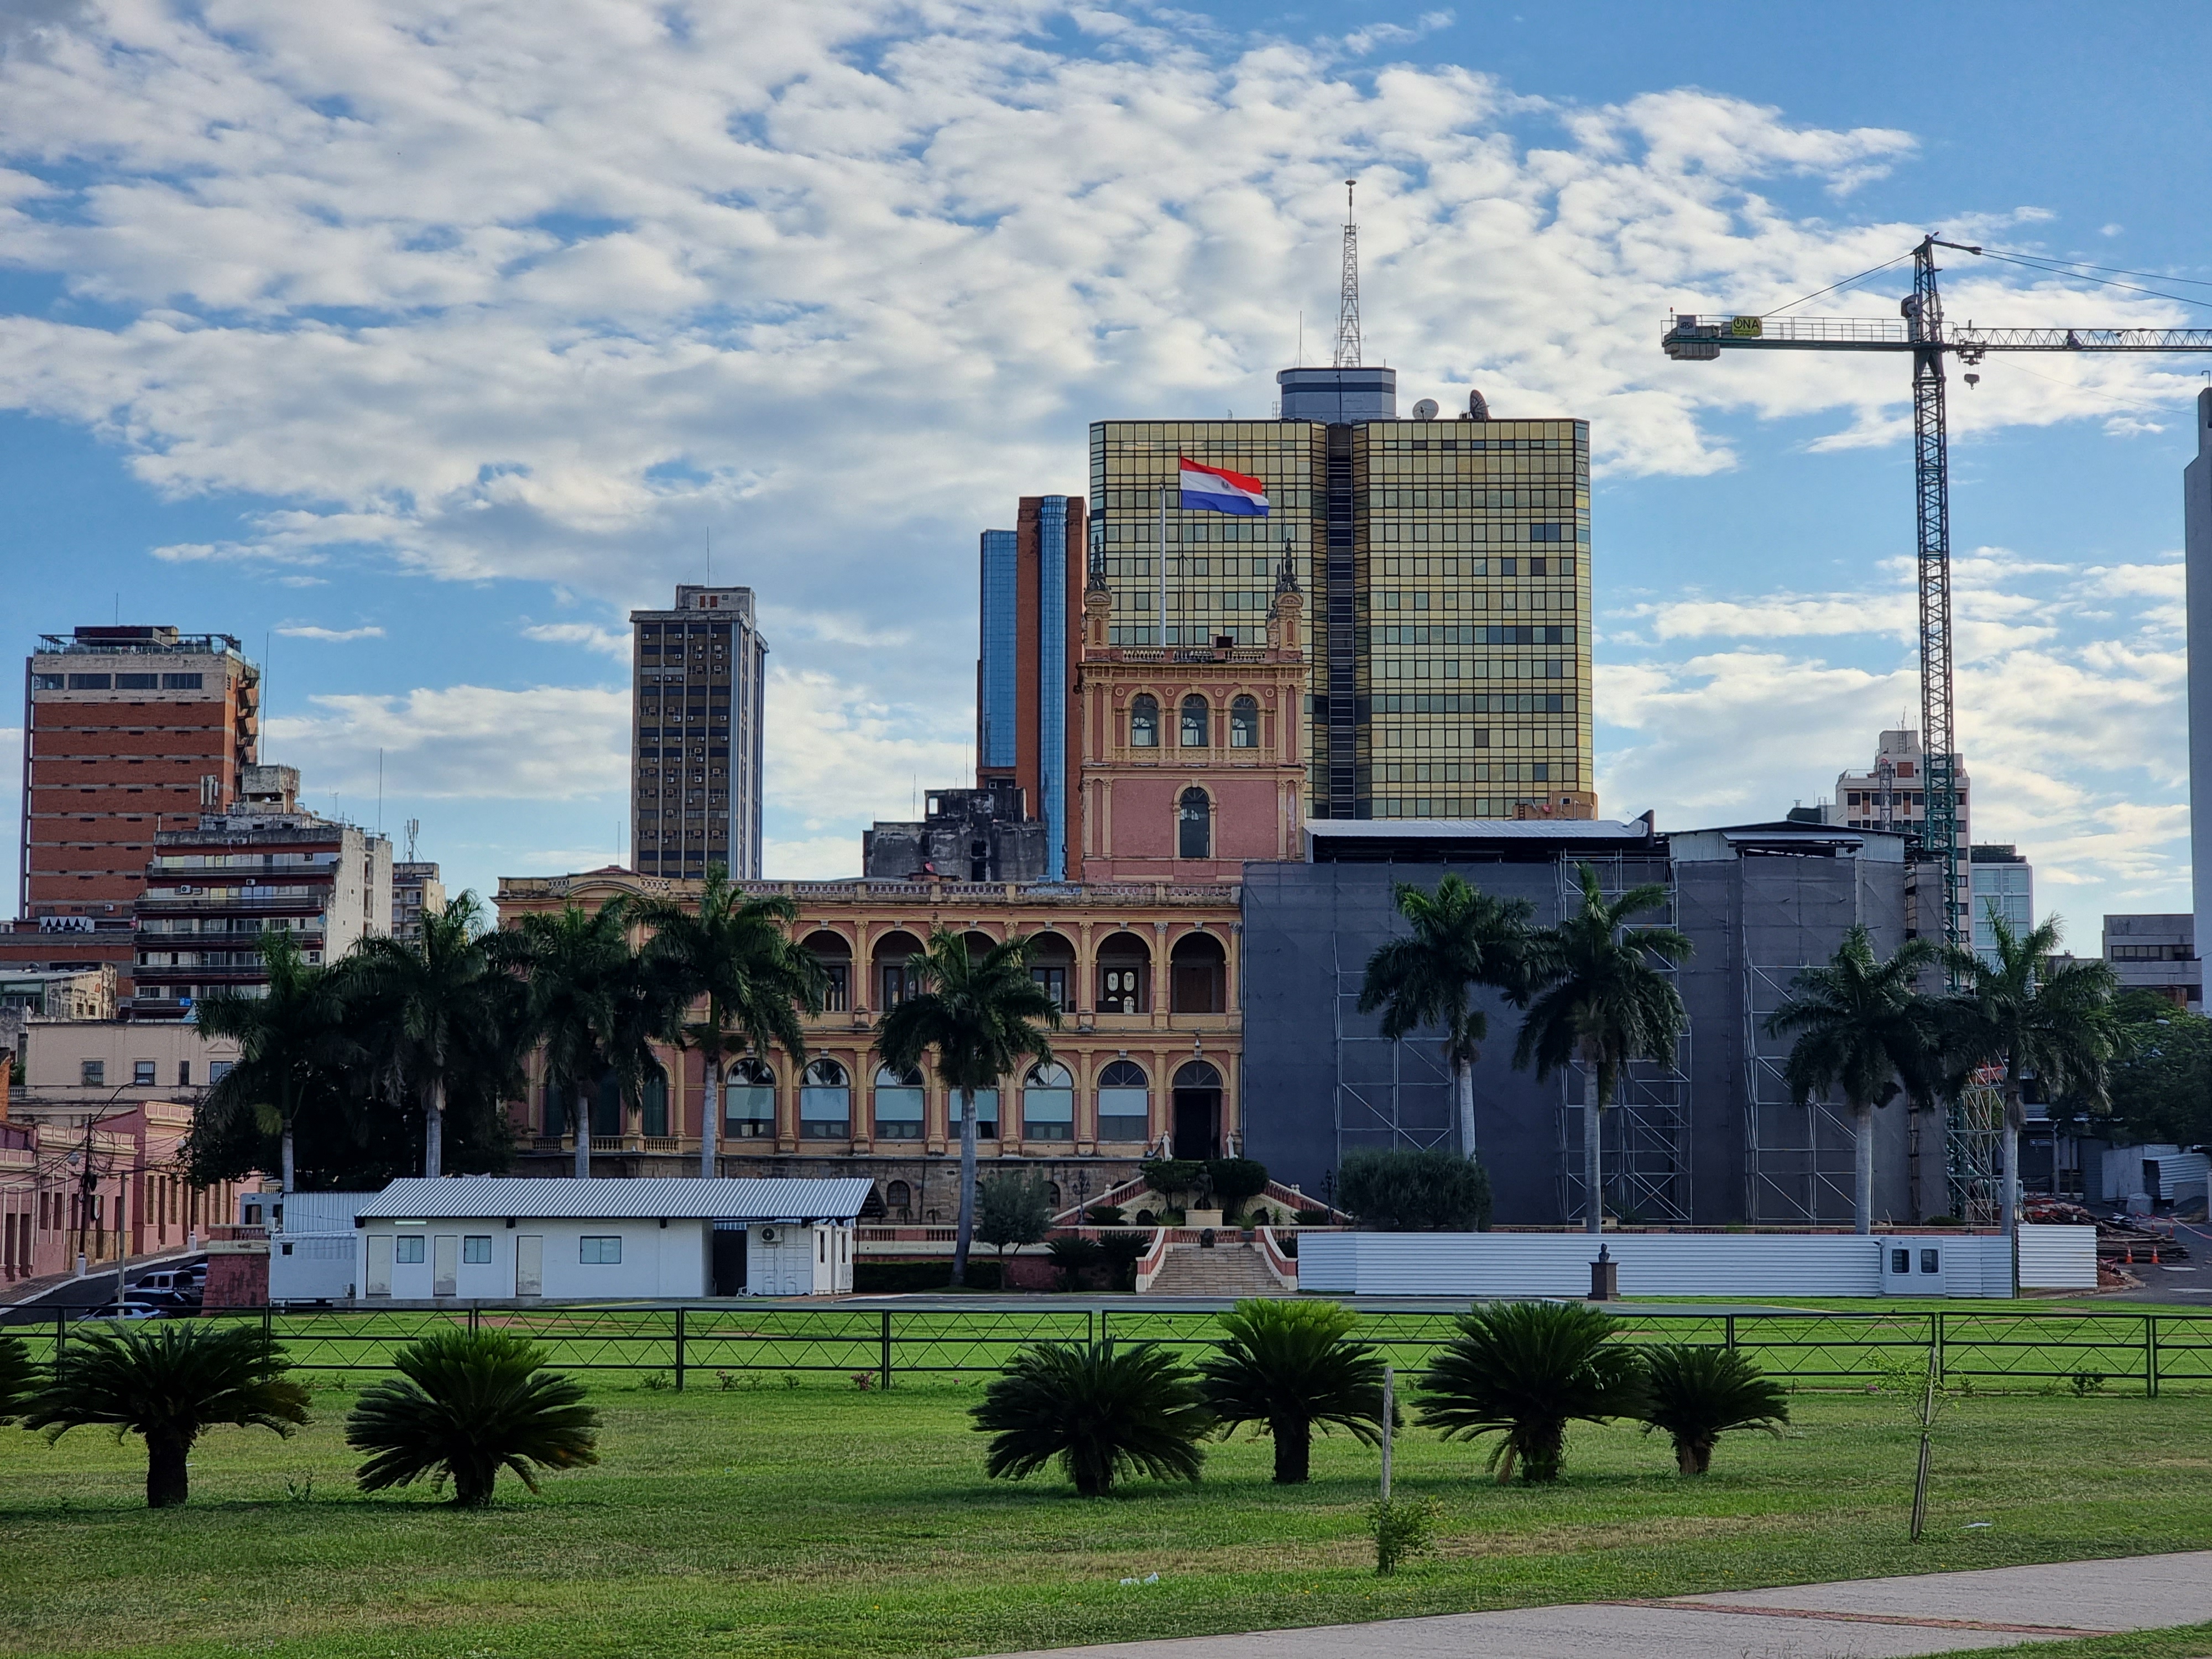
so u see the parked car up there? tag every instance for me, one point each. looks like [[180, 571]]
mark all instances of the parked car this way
[[170, 1281], [131, 1309]]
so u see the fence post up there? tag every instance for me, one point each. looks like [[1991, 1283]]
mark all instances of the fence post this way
[[887, 1348], [268, 1323], [1105, 1337], [61, 1332], [476, 1318], [1731, 1333], [679, 1351], [1936, 1343], [2150, 1355]]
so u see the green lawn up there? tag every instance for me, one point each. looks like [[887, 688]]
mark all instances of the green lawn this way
[[820, 1520]]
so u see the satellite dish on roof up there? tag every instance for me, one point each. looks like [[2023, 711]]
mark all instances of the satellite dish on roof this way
[[1426, 410]]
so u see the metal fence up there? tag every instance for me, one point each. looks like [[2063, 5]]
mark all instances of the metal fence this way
[[2007, 1351]]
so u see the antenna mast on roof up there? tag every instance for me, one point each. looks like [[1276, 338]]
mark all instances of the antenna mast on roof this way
[[1347, 305]]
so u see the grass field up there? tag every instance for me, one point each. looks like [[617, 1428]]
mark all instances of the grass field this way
[[820, 1520]]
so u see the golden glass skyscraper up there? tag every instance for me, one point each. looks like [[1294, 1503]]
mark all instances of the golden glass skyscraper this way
[[1448, 565]]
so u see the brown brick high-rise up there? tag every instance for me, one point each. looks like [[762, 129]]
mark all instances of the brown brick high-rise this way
[[127, 732]]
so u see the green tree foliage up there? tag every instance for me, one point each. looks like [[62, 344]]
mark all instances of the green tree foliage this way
[[18, 1377], [983, 1016], [1071, 1253], [169, 1382], [1861, 1029], [466, 1405], [1121, 1251], [2029, 1013], [735, 954], [2161, 1076], [1414, 1190], [1599, 997], [572, 965], [1523, 1371], [1012, 1209], [1102, 1413], [1174, 1177], [1697, 1394], [1234, 1181], [293, 1054], [1291, 1368], [1462, 938]]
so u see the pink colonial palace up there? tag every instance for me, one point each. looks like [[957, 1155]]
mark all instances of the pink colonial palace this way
[[1190, 765]]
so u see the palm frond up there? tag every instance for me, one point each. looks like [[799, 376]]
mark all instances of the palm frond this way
[[1291, 1368], [1101, 1413], [1523, 1371], [1697, 1394]]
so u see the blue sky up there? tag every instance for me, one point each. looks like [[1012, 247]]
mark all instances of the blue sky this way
[[414, 343]]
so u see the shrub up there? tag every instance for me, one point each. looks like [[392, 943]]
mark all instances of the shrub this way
[[1071, 1253], [1257, 1216], [1403, 1527], [1409, 1191], [18, 1376], [1172, 1177], [1288, 1244], [1313, 1217], [1101, 1413], [170, 1383], [1523, 1371], [1235, 1180], [1120, 1252], [1290, 1367], [1147, 1219], [1699, 1394], [1104, 1215], [468, 1404], [1012, 1209]]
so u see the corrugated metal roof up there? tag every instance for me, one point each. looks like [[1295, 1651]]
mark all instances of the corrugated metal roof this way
[[545, 1198]]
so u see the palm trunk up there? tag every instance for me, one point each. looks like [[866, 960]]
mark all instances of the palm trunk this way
[[1861, 1166], [967, 1187], [1593, 1165], [583, 1135], [434, 1128], [1463, 1086], [710, 1115], [286, 1154], [2008, 1168], [167, 1483]]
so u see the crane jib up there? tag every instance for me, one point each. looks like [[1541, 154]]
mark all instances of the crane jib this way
[[1702, 338]]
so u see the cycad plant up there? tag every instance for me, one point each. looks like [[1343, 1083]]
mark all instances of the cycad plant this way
[[1101, 1412], [19, 1377], [466, 1405], [1291, 1368], [1523, 1371], [171, 1383], [1697, 1395]]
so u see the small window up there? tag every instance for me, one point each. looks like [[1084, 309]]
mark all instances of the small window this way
[[596, 1252], [92, 1074], [180, 682], [88, 682], [184, 1074], [137, 682], [1196, 720], [476, 1250], [1143, 724], [142, 1073], [407, 1248], [219, 1069], [1244, 724], [49, 683], [1931, 1262], [1194, 825], [1901, 1261]]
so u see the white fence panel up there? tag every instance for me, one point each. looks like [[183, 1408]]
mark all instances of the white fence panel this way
[[2058, 1258]]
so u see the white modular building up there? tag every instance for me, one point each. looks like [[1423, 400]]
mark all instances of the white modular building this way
[[495, 1239]]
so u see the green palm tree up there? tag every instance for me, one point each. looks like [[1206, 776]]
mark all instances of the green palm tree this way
[[979, 1015], [572, 964], [1860, 1028], [1462, 938], [294, 1047], [1292, 1367], [1523, 1371], [1600, 998], [2030, 1013], [439, 996], [170, 1383], [734, 952], [1100, 1411], [1699, 1394], [466, 1405]]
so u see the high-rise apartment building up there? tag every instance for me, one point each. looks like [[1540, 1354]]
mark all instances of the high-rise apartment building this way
[[1892, 794], [127, 732], [700, 672], [416, 892], [2197, 519], [2156, 953], [1031, 612], [1447, 563], [2004, 886], [212, 890]]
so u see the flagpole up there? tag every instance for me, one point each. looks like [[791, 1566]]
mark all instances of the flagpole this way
[[1163, 570]]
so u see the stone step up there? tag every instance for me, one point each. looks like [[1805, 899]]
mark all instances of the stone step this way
[[1226, 1270]]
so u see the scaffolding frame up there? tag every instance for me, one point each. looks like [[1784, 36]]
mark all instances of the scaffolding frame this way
[[1800, 1163], [1973, 1151], [1357, 1108], [1646, 1146]]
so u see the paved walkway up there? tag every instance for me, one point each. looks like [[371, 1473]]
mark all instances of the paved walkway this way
[[1860, 1619]]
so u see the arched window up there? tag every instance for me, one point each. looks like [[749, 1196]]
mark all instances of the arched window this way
[[1124, 1103], [899, 1104], [825, 1102], [1145, 722], [1198, 975], [1194, 825], [607, 1108], [986, 1113], [895, 981], [835, 955], [1125, 968], [653, 1106], [1244, 723], [899, 1198], [1049, 1104], [748, 1102], [1194, 722], [1052, 965]]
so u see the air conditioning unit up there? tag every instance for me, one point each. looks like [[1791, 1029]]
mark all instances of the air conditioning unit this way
[[771, 1235]]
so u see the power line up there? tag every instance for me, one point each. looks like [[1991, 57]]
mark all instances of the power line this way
[[1832, 287], [2107, 282]]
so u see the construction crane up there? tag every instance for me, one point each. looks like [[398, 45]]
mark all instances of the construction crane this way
[[1921, 331]]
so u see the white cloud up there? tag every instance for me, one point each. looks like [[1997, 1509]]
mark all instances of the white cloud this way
[[607, 642], [308, 631], [549, 743], [836, 755]]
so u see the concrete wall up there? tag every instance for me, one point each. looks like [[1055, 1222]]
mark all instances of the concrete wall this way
[[656, 1261]]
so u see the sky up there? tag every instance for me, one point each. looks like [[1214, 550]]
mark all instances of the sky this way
[[414, 343]]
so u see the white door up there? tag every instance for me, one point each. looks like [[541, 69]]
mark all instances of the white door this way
[[445, 1264], [379, 1264], [529, 1264]]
